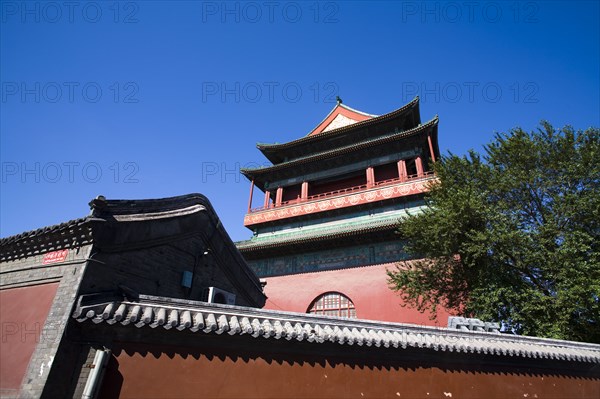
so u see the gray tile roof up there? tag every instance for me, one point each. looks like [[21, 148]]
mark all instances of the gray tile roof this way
[[377, 118], [371, 142], [205, 318], [69, 234], [44, 230], [314, 234]]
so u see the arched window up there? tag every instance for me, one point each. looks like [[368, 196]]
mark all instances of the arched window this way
[[333, 304]]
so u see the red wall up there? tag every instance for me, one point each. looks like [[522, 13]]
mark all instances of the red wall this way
[[150, 371], [365, 286], [23, 312]]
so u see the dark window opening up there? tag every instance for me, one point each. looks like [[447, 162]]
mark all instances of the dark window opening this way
[[411, 167], [386, 172], [291, 193], [355, 179]]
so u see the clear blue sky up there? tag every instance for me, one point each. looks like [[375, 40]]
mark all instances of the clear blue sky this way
[[148, 99]]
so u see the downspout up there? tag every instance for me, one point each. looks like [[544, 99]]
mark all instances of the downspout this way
[[96, 374]]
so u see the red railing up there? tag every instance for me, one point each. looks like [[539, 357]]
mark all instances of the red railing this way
[[397, 179], [343, 191], [337, 192]]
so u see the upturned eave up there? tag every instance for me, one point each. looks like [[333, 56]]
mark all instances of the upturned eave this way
[[256, 173], [276, 153]]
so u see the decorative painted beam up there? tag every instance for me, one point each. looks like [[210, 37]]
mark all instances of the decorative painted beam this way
[[377, 193]]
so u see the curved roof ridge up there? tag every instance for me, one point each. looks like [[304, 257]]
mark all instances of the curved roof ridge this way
[[349, 116], [431, 122], [309, 137], [331, 233], [154, 207], [357, 111], [323, 120], [44, 230], [208, 318]]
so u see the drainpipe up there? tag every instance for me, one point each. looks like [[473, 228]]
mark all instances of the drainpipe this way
[[96, 374]]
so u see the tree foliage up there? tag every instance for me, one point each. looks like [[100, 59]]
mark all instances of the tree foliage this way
[[512, 235]]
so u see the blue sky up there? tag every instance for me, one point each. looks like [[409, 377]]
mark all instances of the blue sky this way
[[148, 99]]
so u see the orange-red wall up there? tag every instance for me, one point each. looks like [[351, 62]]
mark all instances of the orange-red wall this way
[[23, 312], [366, 286], [149, 371]]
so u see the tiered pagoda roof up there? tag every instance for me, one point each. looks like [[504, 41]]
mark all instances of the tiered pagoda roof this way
[[349, 142], [341, 127], [309, 236], [349, 159]]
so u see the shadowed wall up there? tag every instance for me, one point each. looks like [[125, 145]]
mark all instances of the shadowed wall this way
[[23, 312], [142, 371]]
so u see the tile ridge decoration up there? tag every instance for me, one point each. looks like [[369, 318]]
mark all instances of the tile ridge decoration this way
[[236, 320]]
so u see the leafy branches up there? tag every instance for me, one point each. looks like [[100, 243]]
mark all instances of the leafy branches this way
[[513, 235]]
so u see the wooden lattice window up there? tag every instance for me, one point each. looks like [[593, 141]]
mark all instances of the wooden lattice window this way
[[333, 304]]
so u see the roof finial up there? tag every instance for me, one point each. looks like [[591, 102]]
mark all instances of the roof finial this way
[[98, 203], [338, 99]]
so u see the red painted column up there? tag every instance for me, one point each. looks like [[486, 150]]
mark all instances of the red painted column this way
[[370, 177], [267, 199], [250, 199], [419, 164], [402, 170], [431, 148], [304, 191], [278, 196]]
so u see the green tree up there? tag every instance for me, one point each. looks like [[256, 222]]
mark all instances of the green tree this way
[[512, 235]]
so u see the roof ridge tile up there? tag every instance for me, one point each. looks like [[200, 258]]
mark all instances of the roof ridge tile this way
[[215, 318]]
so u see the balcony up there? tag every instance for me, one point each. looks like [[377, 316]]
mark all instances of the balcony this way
[[391, 188]]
